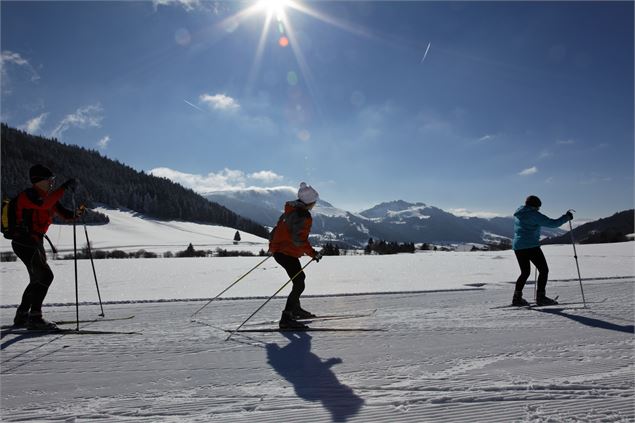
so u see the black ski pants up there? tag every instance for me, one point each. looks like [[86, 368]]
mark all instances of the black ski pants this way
[[293, 268], [33, 256], [527, 256]]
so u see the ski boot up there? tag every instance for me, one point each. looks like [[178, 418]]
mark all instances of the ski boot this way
[[300, 313], [287, 321], [518, 300], [543, 300], [37, 322], [21, 318]]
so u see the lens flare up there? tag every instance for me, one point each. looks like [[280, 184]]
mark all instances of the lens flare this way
[[182, 37], [292, 78], [283, 42], [304, 135]]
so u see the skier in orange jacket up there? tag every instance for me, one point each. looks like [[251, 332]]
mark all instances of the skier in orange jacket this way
[[289, 241]]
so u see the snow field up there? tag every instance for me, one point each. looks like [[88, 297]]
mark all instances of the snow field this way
[[123, 280], [445, 356], [129, 231]]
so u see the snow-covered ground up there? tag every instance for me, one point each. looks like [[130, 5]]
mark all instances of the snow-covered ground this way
[[124, 280], [129, 231], [444, 354], [196, 278]]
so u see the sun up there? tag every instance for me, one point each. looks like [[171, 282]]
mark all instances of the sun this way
[[273, 7]]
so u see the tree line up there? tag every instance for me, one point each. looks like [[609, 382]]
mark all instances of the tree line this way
[[103, 181], [388, 247]]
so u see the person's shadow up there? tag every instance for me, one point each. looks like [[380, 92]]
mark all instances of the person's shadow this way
[[590, 321], [312, 378]]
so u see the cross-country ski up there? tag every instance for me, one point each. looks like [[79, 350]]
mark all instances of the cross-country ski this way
[[73, 322], [64, 332], [319, 318], [307, 329]]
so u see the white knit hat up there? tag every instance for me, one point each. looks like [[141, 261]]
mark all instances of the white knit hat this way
[[307, 194]]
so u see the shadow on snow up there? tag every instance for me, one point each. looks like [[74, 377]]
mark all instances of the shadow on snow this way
[[312, 378], [589, 321]]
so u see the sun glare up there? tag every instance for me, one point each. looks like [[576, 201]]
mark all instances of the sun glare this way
[[273, 7]]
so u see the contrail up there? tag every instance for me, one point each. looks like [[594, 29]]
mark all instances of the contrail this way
[[426, 53], [193, 105]]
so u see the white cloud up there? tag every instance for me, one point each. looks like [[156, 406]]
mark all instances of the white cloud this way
[[565, 142], [11, 57], [486, 137], [529, 171], [103, 143], [219, 102], [188, 5], [468, 213], [265, 176], [232, 109], [225, 180], [32, 126], [84, 117], [8, 57], [215, 7]]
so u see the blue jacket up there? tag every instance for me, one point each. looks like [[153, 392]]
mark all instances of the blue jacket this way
[[527, 223]]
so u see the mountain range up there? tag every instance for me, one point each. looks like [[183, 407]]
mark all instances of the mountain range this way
[[398, 221]]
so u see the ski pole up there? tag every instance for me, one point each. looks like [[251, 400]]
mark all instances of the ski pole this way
[[92, 263], [575, 255], [75, 260], [234, 283], [268, 299], [535, 283]]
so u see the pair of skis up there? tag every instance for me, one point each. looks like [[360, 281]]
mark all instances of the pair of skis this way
[[326, 317], [536, 306], [18, 330]]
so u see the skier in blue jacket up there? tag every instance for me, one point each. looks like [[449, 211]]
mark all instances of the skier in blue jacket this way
[[526, 246]]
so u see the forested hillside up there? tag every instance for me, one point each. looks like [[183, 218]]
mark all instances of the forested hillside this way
[[609, 229], [109, 182]]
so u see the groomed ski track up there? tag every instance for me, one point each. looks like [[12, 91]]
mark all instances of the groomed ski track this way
[[445, 356]]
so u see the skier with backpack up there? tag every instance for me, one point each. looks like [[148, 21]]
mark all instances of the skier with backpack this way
[[25, 220], [526, 246], [289, 241]]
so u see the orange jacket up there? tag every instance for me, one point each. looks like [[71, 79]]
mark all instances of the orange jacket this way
[[35, 209], [291, 234]]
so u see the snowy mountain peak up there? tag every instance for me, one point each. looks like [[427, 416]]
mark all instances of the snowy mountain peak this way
[[396, 208]]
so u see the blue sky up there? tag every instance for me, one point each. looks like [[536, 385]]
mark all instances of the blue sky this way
[[464, 106]]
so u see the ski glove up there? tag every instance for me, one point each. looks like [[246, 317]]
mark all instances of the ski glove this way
[[80, 210], [318, 256], [569, 215], [70, 184]]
